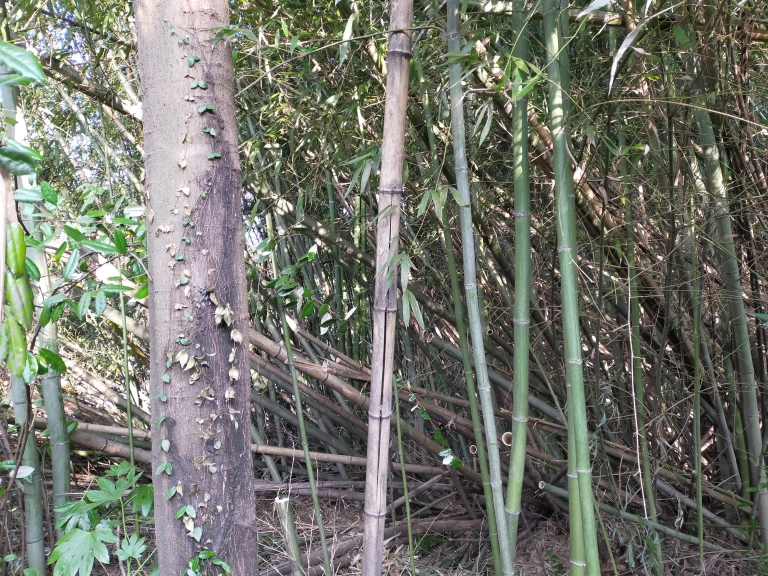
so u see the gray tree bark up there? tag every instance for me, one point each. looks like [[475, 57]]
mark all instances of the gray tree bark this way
[[198, 308]]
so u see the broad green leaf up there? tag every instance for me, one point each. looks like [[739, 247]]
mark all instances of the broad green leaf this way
[[142, 498], [4, 341], [100, 303], [115, 288], [74, 233], [120, 243], [72, 263], [83, 304], [142, 291], [19, 159], [32, 270], [15, 249], [100, 246], [18, 295], [53, 360], [681, 38], [32, 369], [124, 221], [132, 547], [49, 194], [29, 195], [17, 347], [25, 64]]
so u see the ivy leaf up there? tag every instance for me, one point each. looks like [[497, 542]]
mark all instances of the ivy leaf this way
[[76, 550]]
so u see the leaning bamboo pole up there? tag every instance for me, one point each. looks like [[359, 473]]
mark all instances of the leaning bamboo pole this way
[[470, 285], [385, 290]]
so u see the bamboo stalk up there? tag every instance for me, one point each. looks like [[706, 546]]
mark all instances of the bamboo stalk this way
[[582, 522], [385, 290], [406, 497], [522, 311], [288, 525], [32, 485], [470, 286]]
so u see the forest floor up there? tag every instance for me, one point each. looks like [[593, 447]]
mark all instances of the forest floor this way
[[543, 544]]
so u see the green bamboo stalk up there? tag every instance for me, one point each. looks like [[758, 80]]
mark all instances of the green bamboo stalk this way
[[470, 285], [405, 482], [288, 525], [300, 414], [338, 303], [472, 397], [522, 309], [565, 211], [696, 313], [32, 485], [52, 396], [462, 332], [127, 378], [739, 325], [638, 386], [269, 462]]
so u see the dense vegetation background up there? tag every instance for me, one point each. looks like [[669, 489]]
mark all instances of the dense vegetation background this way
[[601, 166]]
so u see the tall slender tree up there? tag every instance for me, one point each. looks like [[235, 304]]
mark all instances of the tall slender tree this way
[[200, 382]]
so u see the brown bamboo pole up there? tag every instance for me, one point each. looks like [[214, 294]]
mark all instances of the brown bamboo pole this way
[[385, 290]]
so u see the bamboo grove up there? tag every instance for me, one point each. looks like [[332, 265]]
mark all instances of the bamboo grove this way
[[504, 255]]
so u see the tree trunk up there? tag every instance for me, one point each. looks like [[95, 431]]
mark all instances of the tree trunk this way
[[200, 383]]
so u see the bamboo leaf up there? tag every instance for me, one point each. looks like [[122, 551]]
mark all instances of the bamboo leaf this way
[[596, 5], [628, 41], [344, 48], [488, 123]]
